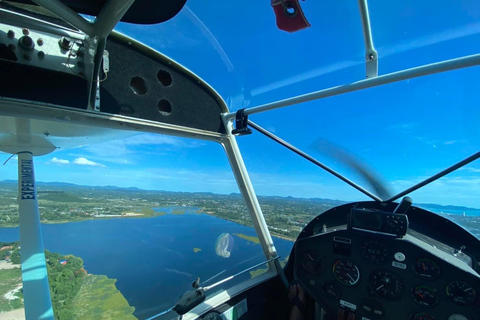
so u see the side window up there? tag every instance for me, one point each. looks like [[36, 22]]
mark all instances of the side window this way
[[126, 235]]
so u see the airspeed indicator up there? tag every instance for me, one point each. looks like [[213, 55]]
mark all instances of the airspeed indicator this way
[[461, 293], [346, 272]]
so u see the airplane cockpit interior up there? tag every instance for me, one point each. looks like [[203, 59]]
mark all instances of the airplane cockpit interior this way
[[80, 72]]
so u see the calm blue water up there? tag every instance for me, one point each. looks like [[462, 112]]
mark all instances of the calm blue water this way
[[153, 258]]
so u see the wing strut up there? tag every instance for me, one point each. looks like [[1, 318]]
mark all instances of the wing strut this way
[[36, 290]]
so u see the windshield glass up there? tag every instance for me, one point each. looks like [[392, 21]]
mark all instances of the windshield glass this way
[[403, 130], [132, 230], [150, 211]]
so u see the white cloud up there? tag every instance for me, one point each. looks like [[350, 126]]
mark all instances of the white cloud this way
[[122, 151], [450, 142], [59, 161], [85, 162], [431, 39], [307, 75]]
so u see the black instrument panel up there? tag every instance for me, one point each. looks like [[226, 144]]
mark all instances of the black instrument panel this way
[[357, 275]]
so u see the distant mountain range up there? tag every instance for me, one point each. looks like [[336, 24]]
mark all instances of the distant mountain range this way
[[65, 185]]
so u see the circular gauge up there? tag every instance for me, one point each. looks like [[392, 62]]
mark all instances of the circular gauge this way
[[425, 296], [346, 272], [386, 284], [331, 290], [375, 251], [457, 317], [421, 316], [426, 269], [461, 293], [313, 262]]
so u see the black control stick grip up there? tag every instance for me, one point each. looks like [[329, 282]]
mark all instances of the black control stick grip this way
[[189, 300]]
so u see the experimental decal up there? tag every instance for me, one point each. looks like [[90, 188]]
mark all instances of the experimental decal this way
[[28, 181]]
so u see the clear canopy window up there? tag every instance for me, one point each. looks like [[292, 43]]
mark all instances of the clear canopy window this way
[[131, 222]]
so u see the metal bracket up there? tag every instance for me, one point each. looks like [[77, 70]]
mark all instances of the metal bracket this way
[[371, 64], [241, 124], [371, 56]]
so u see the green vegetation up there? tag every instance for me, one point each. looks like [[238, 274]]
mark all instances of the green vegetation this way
[[10, 250], [285, 216], [258, 272], [11, 297], [248, 238], [65, 282], [60, 203], [99, 299], [196, 250], [75, 294]]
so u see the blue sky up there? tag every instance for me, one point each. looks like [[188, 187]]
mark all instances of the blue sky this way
[[406, 131]]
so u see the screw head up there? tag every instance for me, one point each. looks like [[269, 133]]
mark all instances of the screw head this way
[[40, 41], [41, 54], [65, 43], [27, 57], [10, 34], [26, 43], [25, 31]]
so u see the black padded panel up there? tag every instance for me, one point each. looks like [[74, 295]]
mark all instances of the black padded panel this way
[[266, 301], [30, 83], [189, 102], [141, 11], [172, 96]]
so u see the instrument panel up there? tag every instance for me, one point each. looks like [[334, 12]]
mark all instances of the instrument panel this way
[[357, 275]]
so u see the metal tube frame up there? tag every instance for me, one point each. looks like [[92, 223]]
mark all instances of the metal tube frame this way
[[24, 21], [109, 16], [69, 15], [98, 31], [429, 69], [246, 188], [312, 160], [371, 56], [435, 177], [49, 112]]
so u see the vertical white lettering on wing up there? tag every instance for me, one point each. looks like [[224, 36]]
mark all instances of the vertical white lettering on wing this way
[[28, 181]]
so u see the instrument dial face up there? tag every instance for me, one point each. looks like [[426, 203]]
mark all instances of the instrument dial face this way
[[331, 290], [457, 317], [421, 316], [386, 284], [426, 269], [313, 262], [425, 296], [346, 272], [375, 251], [461, 293]]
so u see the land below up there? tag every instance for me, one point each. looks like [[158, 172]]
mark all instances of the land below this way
[[75, 293], [285, 216], [90, 296]]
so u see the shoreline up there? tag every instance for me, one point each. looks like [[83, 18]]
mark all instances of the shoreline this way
[[131, 215], [274, 234]]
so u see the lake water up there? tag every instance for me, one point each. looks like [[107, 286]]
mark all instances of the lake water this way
[[153, 259]]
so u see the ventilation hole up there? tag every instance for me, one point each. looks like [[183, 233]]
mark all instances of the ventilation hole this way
[[164, 107], [290, 9], [164, 77], [138, 86]]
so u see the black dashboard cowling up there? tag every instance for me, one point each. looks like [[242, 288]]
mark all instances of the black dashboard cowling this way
[[352, 273]]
